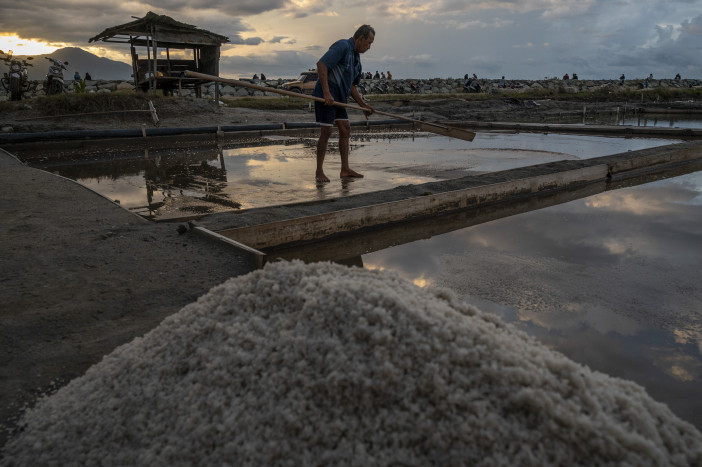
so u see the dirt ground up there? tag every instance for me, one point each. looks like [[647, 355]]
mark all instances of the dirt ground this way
[[186, 112]]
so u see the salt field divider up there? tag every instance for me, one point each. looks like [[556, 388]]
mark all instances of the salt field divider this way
[[627, 130], [257, 258], [316, 227], [395, 123], [296, 224], [174, 131]]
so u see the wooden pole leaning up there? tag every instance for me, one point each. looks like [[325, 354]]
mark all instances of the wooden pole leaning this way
[[444, 130]]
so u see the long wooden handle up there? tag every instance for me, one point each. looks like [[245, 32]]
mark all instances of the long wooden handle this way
[[431, 127]]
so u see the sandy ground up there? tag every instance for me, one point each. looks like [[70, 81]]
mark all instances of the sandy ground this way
[[80, 276]]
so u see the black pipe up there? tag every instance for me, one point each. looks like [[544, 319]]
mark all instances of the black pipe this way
[[137, 132]]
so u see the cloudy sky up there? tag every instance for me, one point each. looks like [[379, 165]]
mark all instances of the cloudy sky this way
[[527, 39]]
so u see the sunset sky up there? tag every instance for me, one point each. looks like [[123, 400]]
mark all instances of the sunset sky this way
[[521, 39]]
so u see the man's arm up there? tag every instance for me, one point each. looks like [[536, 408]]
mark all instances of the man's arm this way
[[357, 97], [322, 74]]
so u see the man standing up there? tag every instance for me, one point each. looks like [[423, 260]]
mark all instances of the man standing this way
[[339, 72]]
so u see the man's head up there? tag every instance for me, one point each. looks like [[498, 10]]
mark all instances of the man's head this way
[[363, 38]]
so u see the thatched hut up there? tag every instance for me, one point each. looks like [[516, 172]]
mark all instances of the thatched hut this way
[[159, 35]]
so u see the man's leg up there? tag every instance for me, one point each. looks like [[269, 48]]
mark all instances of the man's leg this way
[[344, 136], [324, 133]]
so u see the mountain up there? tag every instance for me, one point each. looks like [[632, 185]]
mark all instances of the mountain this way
[[81, 61]]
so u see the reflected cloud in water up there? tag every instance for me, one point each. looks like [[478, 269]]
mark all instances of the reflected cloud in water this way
[[611, 280], [210, 178]]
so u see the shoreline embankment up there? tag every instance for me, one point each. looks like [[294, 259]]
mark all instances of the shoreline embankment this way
[[409, 85]]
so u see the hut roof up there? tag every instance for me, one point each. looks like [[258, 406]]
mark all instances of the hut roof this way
[[163, 29]]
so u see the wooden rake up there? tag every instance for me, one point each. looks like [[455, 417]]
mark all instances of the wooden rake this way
[[425, 126]]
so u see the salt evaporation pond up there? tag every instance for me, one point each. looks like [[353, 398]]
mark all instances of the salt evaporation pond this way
[[661, 121], [281, 169], [324, 364], [617, 294], [611, 280]]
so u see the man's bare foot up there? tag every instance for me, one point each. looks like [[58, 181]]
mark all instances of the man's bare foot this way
[[350, 173], [321, 178]]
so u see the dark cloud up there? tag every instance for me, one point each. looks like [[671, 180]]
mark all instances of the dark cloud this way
[[280, 64], [310, 9], [283, 40], [676, 49], [64, 23], [595, 38], [238, 40], [223, 7], [299, 14], [75, 23]]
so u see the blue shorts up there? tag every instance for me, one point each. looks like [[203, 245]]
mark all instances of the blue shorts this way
[[326, 115]]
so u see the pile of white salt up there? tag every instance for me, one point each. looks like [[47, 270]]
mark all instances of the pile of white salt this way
[[322, 364]]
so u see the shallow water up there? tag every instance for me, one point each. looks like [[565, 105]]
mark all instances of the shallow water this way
[[662, 121], [610, 280], [281, 170]]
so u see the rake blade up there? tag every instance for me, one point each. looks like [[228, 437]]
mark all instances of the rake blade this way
[[449, 131]]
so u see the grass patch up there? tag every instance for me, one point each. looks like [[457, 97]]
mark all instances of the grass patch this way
[[94, 102], [76, 103], [599, 95], [13, 106], [614, 94], [423, 97]]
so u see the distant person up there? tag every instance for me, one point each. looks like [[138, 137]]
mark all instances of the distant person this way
[[621, 80], [263, 77], [389, 75], [87, 76], [502, 83], [339, 72], [376, 75], [566, 77], [382, 75], [255, 77], [650, 76], [677, 77], [575, 76], [76, 76], [471, 84]]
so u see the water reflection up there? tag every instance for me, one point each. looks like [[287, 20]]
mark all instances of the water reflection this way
[[163, 183], [628, 116], [610, 280], [342, 248], [156, 185], [664, 121], [606, 274]]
